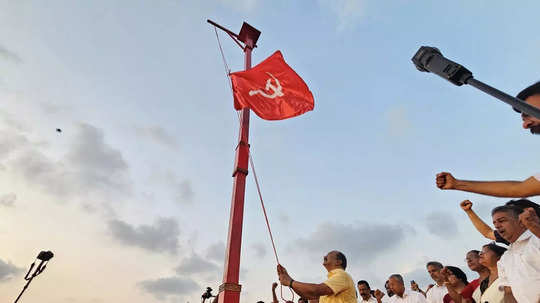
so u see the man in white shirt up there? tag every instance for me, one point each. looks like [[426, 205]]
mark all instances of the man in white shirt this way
[[365, 292], [438, 291], [519, 266], [400, 294], [381, 296]]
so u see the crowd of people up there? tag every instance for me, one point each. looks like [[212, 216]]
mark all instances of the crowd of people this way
[[508, 269]]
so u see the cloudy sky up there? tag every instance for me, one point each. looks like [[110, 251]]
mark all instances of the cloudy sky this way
[[133, 195]]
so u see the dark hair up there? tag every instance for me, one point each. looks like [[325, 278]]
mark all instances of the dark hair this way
[[458, 273], [365, 283], [474, 251], [434, 263], [341, 257], [524, 203], [509, 209], [397, 277], [529, 91], [498, 250]]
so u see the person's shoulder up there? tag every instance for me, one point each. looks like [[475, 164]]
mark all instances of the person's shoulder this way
[[345, 275], [418, 297], [416, 293]]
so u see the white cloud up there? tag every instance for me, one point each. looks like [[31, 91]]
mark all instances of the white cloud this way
[[348, 12], [194, 265], [162, 236], [240, 5], [158, 135], [357, 242], [441, 224], [216, 252], [164, 288], [259, 249], [8, 200], [8, 270], [90, 165], [9, 55]]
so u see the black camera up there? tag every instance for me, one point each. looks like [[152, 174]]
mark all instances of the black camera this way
[[45, 255], [207, 294]]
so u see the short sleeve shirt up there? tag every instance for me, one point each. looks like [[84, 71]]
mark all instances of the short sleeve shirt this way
[[436, 294], [408, 297], [467, 292], [519, 268], [342, 285]]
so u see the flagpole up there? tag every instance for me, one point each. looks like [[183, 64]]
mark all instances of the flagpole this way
[[229, 290]]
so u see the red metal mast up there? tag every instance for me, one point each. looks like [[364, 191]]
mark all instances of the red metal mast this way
[[229, 291]]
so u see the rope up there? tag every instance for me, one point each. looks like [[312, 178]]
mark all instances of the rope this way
[[268, 224], [225, 65], [263, 208]]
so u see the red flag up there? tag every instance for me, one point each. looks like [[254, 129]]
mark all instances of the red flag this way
[[272, 89]]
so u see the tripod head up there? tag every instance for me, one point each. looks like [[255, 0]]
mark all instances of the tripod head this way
[[430, 59], [43, 257]]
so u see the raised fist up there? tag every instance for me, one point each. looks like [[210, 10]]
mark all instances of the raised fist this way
[[274, 285], [466, 205], [529, 218], [445, 180], [414, 286], [379, 294]]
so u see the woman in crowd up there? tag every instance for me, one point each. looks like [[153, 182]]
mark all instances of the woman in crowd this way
[[489, 287], [456, 281]]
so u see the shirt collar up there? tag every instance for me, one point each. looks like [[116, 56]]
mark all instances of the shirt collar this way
[[405, 294], [334, 271], [524, 236]]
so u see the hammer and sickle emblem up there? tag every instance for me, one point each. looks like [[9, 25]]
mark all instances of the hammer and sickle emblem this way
[[277, 90]]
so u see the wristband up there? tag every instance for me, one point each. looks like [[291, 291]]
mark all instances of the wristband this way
[[290, 284]]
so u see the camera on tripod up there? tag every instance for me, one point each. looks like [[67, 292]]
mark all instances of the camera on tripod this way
[[45, 255], [207, 294]]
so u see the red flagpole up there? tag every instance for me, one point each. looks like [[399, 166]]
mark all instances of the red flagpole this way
[[229, 291]]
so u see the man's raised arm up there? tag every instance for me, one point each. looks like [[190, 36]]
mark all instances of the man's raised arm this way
[[509, 189]]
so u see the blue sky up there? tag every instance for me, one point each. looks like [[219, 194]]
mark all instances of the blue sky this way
[[133, 196]]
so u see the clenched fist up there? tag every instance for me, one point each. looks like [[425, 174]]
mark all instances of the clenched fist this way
[[379, 294], [529, 218], [445, 180], [466, 205], [414, 286]]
